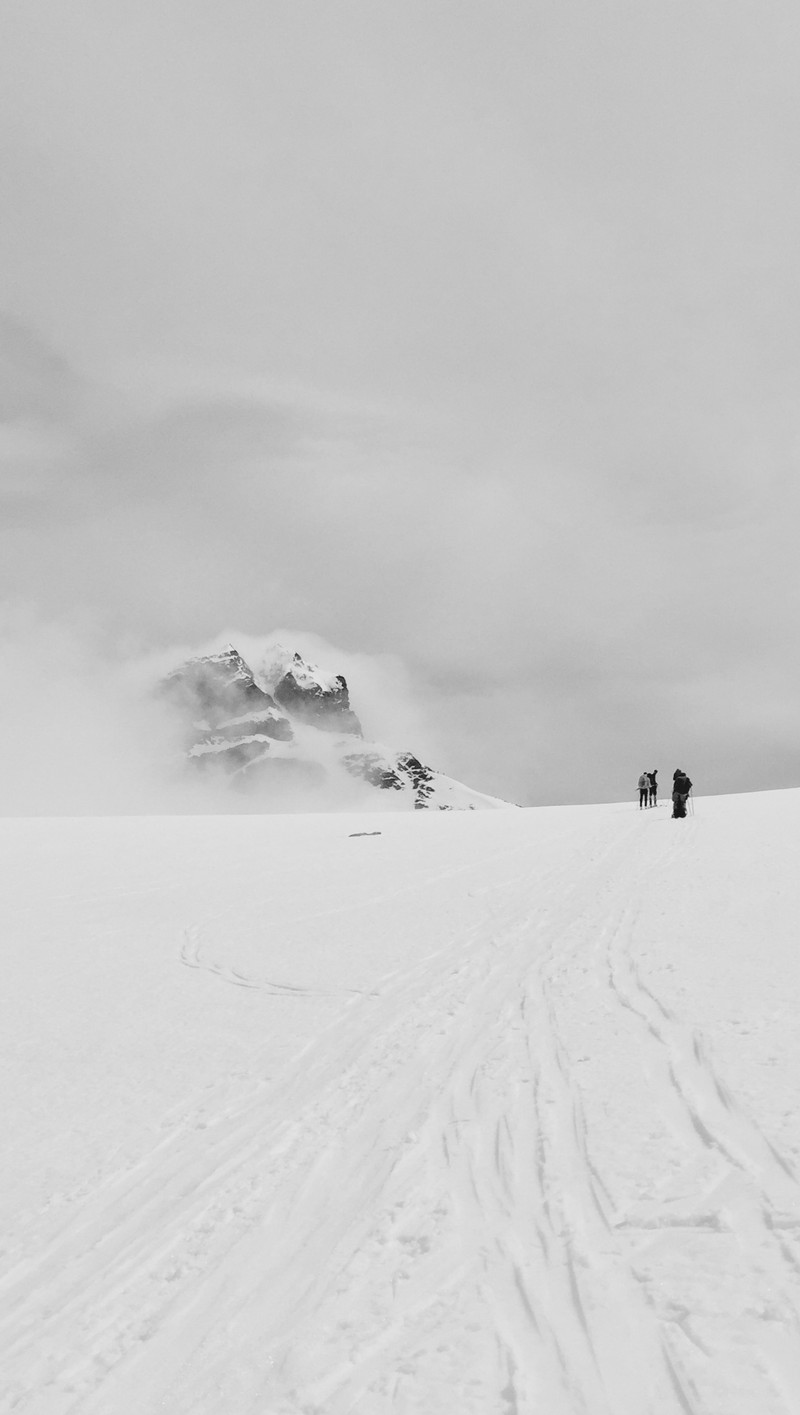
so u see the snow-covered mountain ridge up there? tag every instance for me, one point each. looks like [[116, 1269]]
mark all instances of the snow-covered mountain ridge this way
[[285, 729]]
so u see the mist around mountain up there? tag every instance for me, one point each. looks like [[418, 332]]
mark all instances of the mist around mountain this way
[[94, 725], [283, 731]]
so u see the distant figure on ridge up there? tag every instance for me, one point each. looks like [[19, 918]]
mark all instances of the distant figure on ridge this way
[[653, 786], [681, 786], [644, 789]]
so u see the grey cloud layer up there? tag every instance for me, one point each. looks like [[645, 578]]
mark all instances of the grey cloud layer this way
[[550, 632], [479, 339]]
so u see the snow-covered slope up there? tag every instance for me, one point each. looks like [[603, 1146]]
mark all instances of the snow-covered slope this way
[[285, 733], [471, 1113]]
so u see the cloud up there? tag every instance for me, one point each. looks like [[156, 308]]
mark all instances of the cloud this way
[[82, 730], [78, 733], [471, 343], [552, 626]]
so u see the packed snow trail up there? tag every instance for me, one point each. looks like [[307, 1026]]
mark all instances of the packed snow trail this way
[[504, 1176]]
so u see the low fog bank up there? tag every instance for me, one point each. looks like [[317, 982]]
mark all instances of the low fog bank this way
[[83, 730]]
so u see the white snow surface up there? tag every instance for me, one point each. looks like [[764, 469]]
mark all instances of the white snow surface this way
[[489, 1112]]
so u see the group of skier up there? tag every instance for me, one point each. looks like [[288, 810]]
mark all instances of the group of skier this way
[[648, 791]]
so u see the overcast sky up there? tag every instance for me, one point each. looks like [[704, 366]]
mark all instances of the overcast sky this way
[[466, 333]]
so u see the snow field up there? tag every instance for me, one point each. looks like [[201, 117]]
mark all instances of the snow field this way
[[490, 1112]]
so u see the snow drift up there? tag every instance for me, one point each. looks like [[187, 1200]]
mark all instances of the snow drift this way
[[469, 1112]]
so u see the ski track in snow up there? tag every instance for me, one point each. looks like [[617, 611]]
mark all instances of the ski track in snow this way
[[429, 1211], [190, 956]]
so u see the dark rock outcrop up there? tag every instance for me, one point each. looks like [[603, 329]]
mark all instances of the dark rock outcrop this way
[[320, 704], [372, 767], [217, 686], [230, 720], [395, 773]]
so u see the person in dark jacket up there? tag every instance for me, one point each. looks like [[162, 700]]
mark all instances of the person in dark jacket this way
[[651, 775], [681, 786]]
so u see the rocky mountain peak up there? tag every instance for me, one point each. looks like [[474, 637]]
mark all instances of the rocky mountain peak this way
[[216, 686], [287, 731], [308, 693]]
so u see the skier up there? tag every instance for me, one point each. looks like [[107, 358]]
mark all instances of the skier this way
[[681, 786], [653, 787], [644, 789]]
